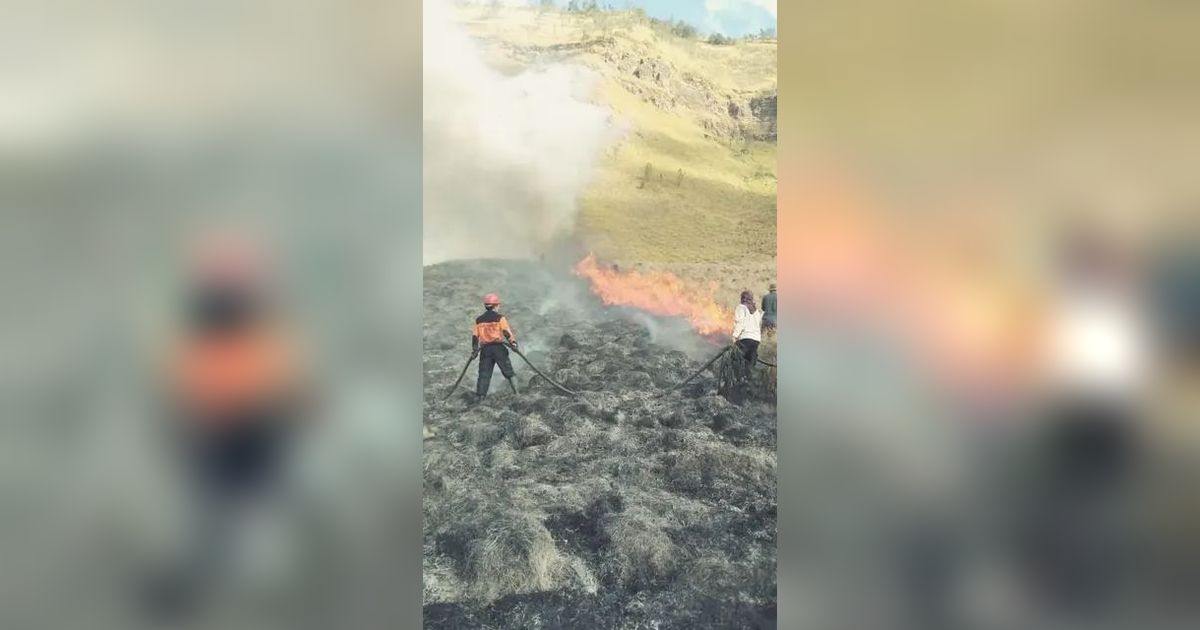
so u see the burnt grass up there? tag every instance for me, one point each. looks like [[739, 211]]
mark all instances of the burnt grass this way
[[611, 510]]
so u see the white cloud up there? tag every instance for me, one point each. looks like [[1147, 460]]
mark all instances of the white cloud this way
[[738, 17], [771, 6], [715, 6]]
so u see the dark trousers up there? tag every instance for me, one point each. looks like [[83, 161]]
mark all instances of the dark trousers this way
[[1077, 543], [491, 355], [230, 465], [748, 348]]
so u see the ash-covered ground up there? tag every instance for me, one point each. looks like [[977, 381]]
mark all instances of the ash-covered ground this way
[[614, 509]]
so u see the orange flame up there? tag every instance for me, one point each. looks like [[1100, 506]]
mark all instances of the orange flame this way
[[661, 293]]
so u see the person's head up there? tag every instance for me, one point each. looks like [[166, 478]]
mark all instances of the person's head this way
[[229, 258], [226, 285], [218, 309], [491, 301], [747, 297], [1090, 251], [772, 287]]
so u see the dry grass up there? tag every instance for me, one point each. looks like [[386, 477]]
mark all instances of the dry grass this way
[[481, 435], [497, 551], [514, 554], [641, 553], [706, 200], [440, 581], [527, 431], [723, 473]]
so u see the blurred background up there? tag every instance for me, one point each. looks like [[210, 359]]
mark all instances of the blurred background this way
[[987, 230], [133, 136]]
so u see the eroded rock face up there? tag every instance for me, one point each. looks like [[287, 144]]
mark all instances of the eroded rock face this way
[[765, 110], [619, 477], [643, 71]]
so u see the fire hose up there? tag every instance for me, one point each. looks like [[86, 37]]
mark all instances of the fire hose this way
[[539, 372], [573, 393], [460, 376], [698, 372], [523, 358]]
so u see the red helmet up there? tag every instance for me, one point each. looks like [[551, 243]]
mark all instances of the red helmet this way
[[491, 299], [229, 258]]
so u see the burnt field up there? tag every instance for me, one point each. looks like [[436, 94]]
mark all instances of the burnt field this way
[[613, 509]]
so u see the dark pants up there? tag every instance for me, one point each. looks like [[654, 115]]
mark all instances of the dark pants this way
[[241, 460], [748, 348], [1077, 541], [491, 355], [236, 462]]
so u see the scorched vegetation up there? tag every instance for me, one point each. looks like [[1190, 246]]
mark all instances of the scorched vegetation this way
[[613, 509]]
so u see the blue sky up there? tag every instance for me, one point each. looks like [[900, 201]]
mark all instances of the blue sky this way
[[729, 17]]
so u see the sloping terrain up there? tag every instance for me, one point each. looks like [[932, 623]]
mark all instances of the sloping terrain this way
[[614, 509], [691, 185]]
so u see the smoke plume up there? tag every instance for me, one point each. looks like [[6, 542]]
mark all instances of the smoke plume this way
[[505, 157]]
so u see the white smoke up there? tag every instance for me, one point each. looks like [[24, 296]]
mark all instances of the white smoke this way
[[505, 157]]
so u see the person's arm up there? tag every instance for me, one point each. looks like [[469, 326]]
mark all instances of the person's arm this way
[[475, 340], [305, 397], [739, 321], [506, 330]]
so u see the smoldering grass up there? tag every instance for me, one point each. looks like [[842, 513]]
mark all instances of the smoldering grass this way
[[594, 510]]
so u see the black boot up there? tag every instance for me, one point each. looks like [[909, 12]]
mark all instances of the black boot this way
[[512, 384]]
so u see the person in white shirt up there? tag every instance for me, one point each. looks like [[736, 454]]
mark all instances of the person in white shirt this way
[[1097, 361], [747, 332]]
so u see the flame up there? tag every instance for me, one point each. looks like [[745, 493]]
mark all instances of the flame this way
[[661, 293], [945, 287]]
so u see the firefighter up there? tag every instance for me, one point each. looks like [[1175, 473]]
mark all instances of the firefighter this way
[[234, 391], [488, 339]]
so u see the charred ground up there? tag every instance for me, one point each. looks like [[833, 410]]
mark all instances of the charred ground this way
[[615, 509]]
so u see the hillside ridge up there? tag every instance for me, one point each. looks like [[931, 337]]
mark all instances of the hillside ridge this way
[[691, 186]]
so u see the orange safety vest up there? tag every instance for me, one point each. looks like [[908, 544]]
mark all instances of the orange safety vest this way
[[214, 378], [491, 328]]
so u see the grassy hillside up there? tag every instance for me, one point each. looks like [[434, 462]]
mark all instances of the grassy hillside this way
[[691, 186]]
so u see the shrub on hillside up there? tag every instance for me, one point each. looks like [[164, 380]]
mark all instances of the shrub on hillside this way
[[583, 6], [684, 30]]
